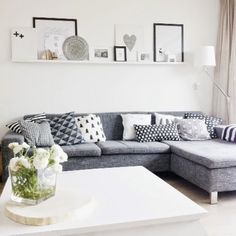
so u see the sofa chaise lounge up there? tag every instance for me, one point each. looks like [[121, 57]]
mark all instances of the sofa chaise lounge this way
[[210, 164]]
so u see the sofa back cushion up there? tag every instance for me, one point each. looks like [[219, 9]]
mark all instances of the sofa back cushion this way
[[112, 121]]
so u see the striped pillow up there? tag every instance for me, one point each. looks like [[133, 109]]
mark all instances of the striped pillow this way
[[229, 133], [15, 126]]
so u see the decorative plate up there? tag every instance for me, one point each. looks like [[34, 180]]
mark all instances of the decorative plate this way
[[76, 48]]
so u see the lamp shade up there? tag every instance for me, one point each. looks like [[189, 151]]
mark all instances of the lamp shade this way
[[206, 56]]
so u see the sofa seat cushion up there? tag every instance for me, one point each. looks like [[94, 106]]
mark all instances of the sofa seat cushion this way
[[132, 147], [212, 154], [82, 150]]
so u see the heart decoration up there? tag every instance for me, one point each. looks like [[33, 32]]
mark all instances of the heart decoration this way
[[130, 41]]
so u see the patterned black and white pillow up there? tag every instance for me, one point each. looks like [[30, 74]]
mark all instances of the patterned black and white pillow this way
[[146, 133], [65, 130], [210, 121], [229, 133], [16, 127], [91, 128], [190, 115], [152, 133]]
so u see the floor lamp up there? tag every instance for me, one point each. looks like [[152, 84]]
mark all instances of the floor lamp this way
[[206, 59]]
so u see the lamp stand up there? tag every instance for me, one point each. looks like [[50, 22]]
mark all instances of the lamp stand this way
[[227, 97]]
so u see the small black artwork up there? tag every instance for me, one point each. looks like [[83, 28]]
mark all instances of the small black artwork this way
[[120, 53], [20, 35]]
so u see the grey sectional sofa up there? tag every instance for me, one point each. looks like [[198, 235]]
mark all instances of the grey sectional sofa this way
[[211, 164]]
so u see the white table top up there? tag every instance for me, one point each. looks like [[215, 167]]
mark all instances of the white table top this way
[[125, 197]]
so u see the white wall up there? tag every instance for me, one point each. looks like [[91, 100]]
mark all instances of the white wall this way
[[31, 88]]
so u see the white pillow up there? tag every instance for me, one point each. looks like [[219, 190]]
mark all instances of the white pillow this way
[[162, 119], [129, 120], [91, 128]]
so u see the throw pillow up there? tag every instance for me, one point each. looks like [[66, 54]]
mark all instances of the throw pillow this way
[[193, 129], [229, 133], [15, 126], [129, 120], [37, 134], [91, 128], [162, 119], [210, 121], [152, 133], [190, 115], [65, 130]]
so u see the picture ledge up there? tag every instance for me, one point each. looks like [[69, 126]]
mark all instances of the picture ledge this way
[[99, 62]]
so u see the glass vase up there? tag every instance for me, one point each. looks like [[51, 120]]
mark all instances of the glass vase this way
[[31, 187]]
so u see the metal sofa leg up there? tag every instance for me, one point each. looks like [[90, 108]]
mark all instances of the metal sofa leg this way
[[214, 197]]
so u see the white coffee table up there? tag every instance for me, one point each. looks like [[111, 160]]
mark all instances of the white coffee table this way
[[129, 201]]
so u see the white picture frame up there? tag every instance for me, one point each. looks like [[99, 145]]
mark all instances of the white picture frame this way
[[101, 53], [144, 56]]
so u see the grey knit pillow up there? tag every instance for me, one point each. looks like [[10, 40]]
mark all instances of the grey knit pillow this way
[[37, 134], [193, 129]]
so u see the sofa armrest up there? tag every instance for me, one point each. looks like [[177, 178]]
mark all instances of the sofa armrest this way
[[7, 154]]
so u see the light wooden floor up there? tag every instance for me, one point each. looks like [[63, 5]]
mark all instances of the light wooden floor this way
[[221, 218]]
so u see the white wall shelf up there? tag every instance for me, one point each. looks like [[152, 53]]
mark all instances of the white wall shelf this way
[[98, 62]]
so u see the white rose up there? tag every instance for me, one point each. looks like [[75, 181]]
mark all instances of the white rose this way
[[24, 162], [63, 157], [17, 149], [40, 162], [25, 145], [57, 168], [12, 145], [13, 164], [57, 154], [41, 158], [40, 152]]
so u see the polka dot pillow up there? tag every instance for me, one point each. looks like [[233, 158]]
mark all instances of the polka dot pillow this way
[[152, 133]]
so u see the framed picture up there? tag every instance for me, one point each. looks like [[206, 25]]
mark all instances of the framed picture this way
[[168, 40], [52, 32], [131, 37], [100, 53], [120, 53], [144, 56]]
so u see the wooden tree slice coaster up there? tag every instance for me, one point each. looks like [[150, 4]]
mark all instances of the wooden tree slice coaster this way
[[64, 205]]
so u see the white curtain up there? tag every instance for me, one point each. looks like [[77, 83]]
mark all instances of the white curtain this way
[[225, 73]]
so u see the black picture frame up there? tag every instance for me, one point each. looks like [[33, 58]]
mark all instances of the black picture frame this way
[[115, 53], [35, 19], [155, 25]]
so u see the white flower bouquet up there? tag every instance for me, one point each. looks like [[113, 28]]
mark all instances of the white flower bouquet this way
[[33, 172]]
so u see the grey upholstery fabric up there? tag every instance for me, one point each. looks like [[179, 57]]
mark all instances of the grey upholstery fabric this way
[[112, 121], [36, 134], [112, 125], [132, 147], [82, 150], [213, 153], [153, 162], [211, 180]]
